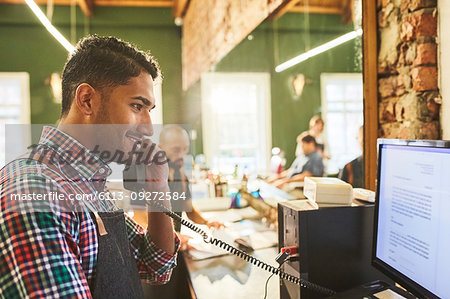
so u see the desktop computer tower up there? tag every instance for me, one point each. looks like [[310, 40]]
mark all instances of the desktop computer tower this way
[[334, 247]]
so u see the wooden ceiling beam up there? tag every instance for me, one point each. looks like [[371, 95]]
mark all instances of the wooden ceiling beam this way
[[317, 9], [179, 8], [87, 6], [140, 3], [282, 9]]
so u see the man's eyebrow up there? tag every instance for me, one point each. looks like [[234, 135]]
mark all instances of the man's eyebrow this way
[[145, 101]]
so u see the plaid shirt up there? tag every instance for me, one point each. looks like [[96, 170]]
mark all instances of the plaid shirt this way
[[54, 254]]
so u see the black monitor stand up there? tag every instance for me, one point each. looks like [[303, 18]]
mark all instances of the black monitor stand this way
[[372, 290]]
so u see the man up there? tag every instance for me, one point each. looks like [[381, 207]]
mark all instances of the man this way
[[316, 126], [174, 141], [353, 171], [94, 251], [307, 164]]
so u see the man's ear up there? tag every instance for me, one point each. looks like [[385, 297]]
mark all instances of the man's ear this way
[[84, 97]]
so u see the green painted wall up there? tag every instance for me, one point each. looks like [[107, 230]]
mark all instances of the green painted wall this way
[[272, 44], [26, 46]]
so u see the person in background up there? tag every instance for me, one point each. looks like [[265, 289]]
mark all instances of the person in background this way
[[174, 141], [353, 171], [277, 161], [316, 126], [308, 164]]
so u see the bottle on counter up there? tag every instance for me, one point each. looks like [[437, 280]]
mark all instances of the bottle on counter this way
[[244, 183], [218, 186]]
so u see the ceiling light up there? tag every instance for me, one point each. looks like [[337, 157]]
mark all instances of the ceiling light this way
[[320, 49], [53, 31]]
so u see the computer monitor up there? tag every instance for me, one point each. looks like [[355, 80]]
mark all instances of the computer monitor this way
[[412, 215]]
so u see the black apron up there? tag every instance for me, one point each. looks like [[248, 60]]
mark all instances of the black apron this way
[[116, 272]]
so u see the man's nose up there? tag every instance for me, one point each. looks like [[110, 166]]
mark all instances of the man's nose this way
[[145, 126]]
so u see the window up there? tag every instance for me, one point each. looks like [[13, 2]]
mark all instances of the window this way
[[14, 104], [236, 121], [342, 111]]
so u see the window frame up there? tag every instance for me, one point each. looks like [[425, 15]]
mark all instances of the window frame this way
[[324, 78], [261, 79]]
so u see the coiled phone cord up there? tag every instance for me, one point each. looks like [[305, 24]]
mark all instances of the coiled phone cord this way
[[243, 255]]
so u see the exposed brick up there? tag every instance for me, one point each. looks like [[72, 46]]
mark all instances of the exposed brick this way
[[426, 25], [407, 31], [418, 25], [406, 108], [404, 6], [425, 54], [405, 132], [425, 78], [383, 68], [383, 3], [400, 88], [434, 108], [387, 86], [390, 130], [391, 86], [430, 130], [387, 111], [410, 53], [386, 14], [382, 19], [212, 28], [417, 4], [407, 65], [404, 78]]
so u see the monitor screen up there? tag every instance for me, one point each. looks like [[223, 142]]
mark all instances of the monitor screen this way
[[412, 218]]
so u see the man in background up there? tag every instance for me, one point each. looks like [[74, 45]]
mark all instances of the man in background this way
[[307, 164], [353, 171], [175, 142]]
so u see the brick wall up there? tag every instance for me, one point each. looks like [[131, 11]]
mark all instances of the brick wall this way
[[407, 69], [212, 28]]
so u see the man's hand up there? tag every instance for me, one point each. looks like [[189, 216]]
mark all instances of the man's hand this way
[[156, 163], [184, 242], [280, 183], [214, 224], [160, 227]]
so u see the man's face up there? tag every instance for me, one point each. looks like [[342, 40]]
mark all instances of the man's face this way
[[127, 106], [308, 147], [176, 147]]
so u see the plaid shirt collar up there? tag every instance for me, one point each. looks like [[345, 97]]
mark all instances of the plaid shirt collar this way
[[72, 152]]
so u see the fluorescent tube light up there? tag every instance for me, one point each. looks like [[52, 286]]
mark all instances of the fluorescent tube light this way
[[53, 31], [320, 49]]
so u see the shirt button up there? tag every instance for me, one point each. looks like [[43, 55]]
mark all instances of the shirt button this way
[[101, 170]]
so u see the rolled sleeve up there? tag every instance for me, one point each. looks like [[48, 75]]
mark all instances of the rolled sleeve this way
[[154, 264]]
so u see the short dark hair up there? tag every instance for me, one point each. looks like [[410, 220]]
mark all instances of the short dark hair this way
[[103, 62], [309, 139]]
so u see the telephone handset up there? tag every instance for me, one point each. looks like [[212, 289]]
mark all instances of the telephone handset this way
[[134, 178], [134, 175]]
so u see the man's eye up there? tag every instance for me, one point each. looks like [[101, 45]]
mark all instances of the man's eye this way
[[137, 106]]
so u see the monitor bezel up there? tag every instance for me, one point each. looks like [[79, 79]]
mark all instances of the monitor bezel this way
[[389, 271]]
